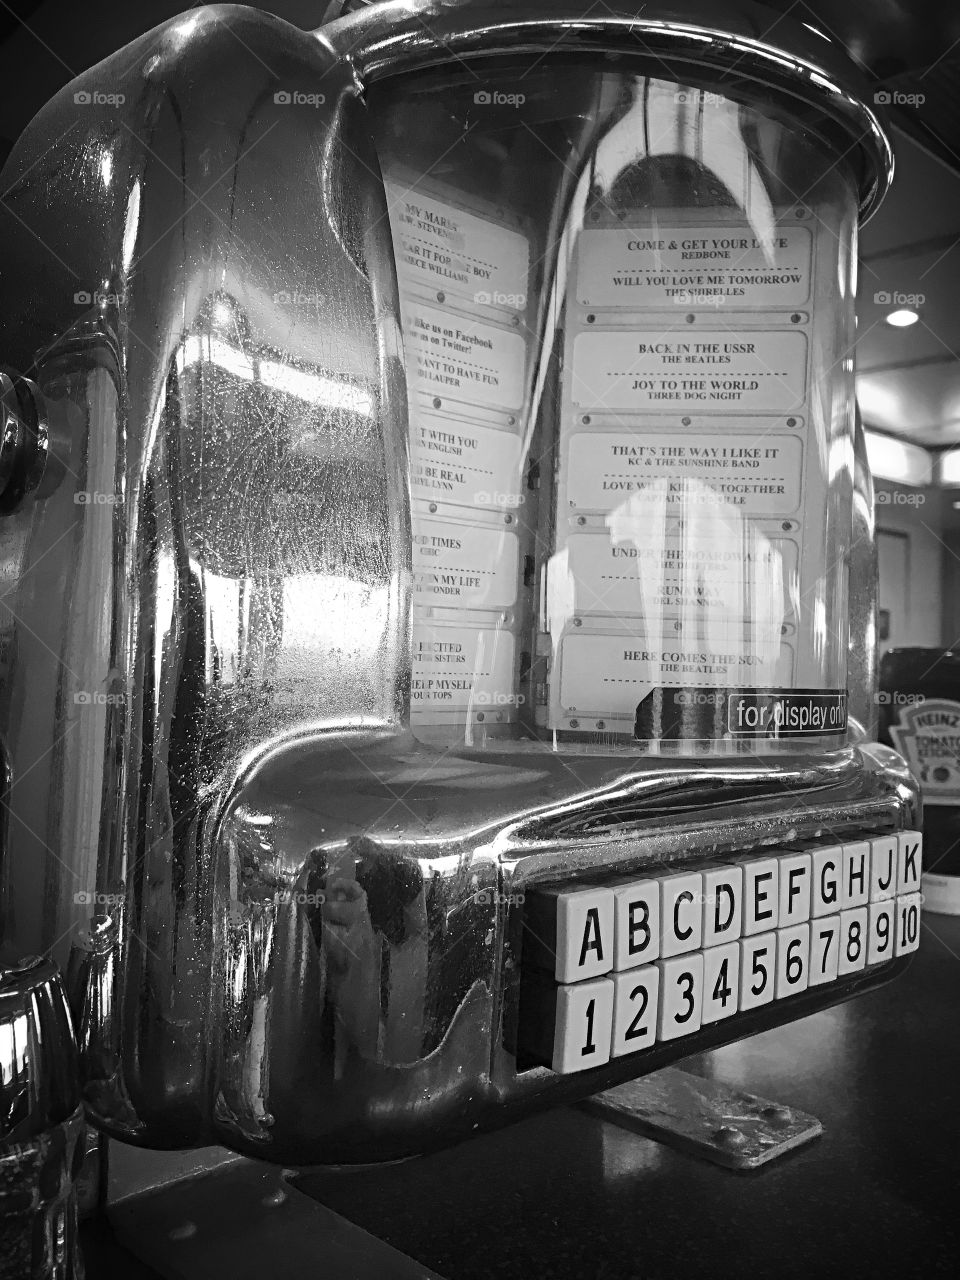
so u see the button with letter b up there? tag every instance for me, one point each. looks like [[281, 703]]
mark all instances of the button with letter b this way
[[637, 923], [908, 923], [911, 852]]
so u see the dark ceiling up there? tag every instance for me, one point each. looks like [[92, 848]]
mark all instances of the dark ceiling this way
[[909, 380]]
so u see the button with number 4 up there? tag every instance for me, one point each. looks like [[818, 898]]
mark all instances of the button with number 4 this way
[[721, 982], [681, 995]]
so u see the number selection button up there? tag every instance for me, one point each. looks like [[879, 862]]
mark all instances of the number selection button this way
[[908, 923], [681, 995], [883, 931], [635, 1006], [793, 960], [824, 950], [758, 959], [721, 982], [853, 940], [582, 1032]]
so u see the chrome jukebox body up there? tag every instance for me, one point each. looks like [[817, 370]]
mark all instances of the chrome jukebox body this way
[[445, 513]]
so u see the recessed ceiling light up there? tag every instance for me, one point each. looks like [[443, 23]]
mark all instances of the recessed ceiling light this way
[[902, 318]]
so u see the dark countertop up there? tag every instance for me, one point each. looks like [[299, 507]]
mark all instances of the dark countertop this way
[[565, 1196]]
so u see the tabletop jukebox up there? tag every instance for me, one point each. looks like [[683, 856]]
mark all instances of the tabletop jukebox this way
[[438, 648]]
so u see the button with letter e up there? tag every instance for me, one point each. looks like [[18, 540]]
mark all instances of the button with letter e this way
[[761, 891]]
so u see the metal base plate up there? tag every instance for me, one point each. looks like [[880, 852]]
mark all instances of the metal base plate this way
[[703, 1118]]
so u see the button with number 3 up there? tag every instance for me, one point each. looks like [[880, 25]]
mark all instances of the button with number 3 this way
[[681, 995]]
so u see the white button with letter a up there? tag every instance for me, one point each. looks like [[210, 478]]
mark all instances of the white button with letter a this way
[[584, 934]]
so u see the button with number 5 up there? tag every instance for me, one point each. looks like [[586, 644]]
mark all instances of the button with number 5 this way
[[758, 975]]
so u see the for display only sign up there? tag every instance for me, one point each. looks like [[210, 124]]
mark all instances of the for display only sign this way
[[786, 713]]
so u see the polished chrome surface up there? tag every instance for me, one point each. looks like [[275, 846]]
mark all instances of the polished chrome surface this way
[[288, 926], [41, 1126], [735, 38]]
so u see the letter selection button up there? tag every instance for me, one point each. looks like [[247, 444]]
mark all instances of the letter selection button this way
[[681, 913], [722, 904], [760, 895], [884, 868], [637, 923], [911, 847], [827, 870]]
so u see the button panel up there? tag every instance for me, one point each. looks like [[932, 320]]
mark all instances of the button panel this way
[[611, 969]]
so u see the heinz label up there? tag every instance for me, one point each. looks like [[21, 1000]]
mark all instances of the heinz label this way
[[927, 735]]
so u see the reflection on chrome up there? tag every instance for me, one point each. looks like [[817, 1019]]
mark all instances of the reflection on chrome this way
[[334, 757]]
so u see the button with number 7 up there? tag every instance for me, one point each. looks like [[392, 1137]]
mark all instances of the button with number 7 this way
[[824, 950]]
